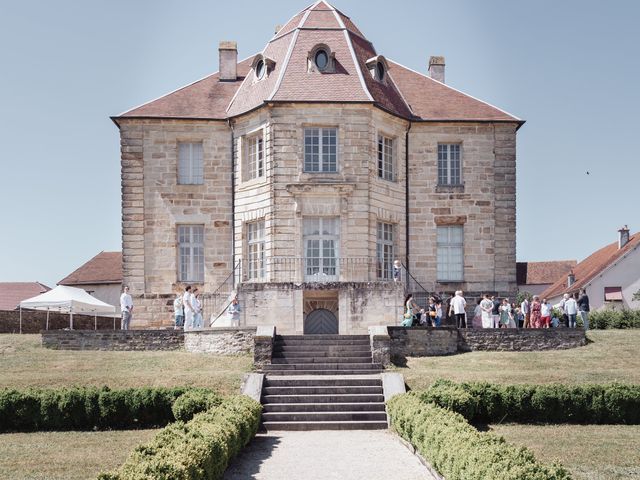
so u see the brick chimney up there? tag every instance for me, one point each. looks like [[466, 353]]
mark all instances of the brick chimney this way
[[228, 61], [571, 279], [623, 237], [436, 68]]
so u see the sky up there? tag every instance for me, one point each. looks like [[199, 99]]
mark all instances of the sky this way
[[569, 68]]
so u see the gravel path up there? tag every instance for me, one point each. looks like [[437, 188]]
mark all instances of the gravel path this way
[[315, 455]]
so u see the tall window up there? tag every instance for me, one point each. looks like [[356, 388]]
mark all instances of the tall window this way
[[255, 249], [191, 253], [450, 253], [449, 164], [190, 166], [320, 149], [385, 157], [384, 251], [321, 243], [254, 157]]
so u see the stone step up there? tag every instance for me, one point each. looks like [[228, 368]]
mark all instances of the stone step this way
[[330, 398], [324, 407], [323, 416], [359, 425], [323, 343], [296, 360], [373, 372], [322, 337], [329, 352], [322, 366], [323, 390], [319, 382]]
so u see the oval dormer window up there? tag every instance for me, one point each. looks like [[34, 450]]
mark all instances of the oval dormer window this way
[[322, 60], [260, 69], [380, 71]]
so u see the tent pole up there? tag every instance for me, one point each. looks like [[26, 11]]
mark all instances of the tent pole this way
[[47, 327], [70, 320], [95, 321], [20, 318]]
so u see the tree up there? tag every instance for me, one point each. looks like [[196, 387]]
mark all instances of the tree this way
[[636, 296]]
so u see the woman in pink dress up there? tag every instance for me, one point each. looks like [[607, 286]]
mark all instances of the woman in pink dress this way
[[536, 320]]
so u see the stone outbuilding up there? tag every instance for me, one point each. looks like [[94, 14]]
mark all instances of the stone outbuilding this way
[[296, 177]]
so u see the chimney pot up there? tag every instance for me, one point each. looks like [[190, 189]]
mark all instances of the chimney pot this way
[[623, 237], [228, 52], [436, 68]]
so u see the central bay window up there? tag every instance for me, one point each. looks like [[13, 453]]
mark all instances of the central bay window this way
[[254, 157], [384, 251], [191, 253], [385, 158], [190, 165], [255, 250], [450, 253], [320, 150], [321, 237], [449, 164]]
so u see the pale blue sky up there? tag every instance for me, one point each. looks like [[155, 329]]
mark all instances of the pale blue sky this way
[[570, 68]]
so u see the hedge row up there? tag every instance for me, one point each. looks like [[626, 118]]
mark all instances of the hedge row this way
[[460, 452], [88, 408], [488, 403], [605, 319], [197, 450]]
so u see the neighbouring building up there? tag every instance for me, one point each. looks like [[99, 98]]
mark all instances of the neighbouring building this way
[[536, 277], [610, 275], [12, 293], [298, 175], [101, 277]]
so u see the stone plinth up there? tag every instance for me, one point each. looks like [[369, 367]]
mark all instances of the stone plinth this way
[[221, 341], [422, 342]]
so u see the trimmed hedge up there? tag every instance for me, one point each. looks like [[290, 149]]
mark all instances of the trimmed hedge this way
[[197, 450], [489, 403], [460, 452], [609, 319], [88, 408], [194, 401]]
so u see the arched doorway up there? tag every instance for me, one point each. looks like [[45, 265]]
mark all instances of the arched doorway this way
[[320, 321]]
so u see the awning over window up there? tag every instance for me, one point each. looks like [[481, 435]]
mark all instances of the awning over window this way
[[612, 294]]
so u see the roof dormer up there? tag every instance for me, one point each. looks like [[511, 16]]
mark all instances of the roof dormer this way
[[321, 59], [378, 68], [261, 66]]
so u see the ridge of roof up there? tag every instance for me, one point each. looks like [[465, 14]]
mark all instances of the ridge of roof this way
[[456, 90]]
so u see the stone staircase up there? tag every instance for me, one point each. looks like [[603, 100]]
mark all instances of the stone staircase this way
[[323, 382]]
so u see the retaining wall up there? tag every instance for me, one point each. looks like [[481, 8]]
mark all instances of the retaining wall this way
[[113, 340], [512, 340], [34, 320], [222, 341]]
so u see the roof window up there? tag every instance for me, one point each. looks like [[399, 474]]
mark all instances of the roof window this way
[[262, 66], [378, 67], [320, 59]]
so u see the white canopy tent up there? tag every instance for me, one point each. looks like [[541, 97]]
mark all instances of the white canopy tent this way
[[69, 300]]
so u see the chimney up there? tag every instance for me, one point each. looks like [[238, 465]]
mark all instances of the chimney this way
[[228, 61], [277, 29], [571, 279], [623, 237], [436, 68]]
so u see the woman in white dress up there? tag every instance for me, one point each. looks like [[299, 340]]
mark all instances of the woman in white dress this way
[[486, 306]]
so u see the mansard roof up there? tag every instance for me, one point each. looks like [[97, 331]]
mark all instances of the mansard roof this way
[[404, 92]]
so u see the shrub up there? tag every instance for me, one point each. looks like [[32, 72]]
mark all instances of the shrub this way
[[86, 408], [615, 403], [194, 401], [457, 450], [198, 449], [609, 319]]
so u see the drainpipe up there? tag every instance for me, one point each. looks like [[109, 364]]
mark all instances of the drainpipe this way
[[233, 204], [406, 196]]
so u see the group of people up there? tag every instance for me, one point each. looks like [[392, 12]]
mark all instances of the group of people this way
[[490, 312], [187, 309]]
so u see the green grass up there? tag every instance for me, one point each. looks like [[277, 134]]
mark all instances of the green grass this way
[[590, 452], [24, 363], [66, 455], [612, 356]]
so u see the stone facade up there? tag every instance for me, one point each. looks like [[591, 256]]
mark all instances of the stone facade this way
[[221, 341], [113, 340]]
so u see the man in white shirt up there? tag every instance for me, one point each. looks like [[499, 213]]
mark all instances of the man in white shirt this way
[[126, 307], [458, 304], [525, 309], [571, 310], [189, 311]]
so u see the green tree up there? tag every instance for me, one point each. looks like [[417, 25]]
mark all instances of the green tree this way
[[636, 296]]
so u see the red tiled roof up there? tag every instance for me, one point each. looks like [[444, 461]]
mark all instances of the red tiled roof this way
[[12, 293], [591, 266], [405, 93], [540, 273], [106, 267]]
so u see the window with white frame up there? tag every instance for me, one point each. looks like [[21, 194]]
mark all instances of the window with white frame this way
[[191, 253], [450, 253], [320, 149], [384, 251], [449, 164], [255, 250], [190, 165], [385, 157], [254, 156], [321, 237]]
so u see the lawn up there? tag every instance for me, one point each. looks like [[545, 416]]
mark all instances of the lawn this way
[[66, 455], [590, 452], [24, 363], [611, 356]]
